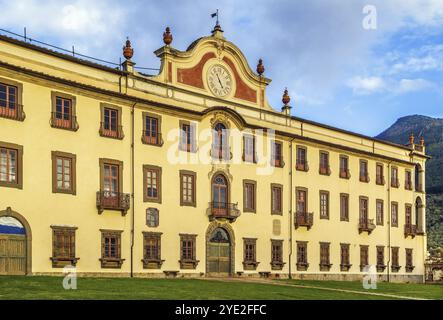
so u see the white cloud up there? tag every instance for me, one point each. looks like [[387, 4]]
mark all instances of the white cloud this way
[[411, 85], [366, 85]]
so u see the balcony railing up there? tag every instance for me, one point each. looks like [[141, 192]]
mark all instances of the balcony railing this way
[[367, 225], [277, 162], [364, 177], [304, 219], [325, 170], [107, 200], [380, 180], [62, 121], [152, 138], [302, 166], [12, 111], [223, 210], [116, 133], [345, 174], [410, 230]]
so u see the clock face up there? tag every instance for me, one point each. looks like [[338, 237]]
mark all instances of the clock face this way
[[219, 80]]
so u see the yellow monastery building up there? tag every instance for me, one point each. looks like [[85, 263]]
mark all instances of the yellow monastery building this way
[[192, 173]]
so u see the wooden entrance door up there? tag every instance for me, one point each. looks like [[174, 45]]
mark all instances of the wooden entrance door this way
[[219, 254], [12, 254]]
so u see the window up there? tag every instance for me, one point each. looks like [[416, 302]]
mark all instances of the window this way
[[11, 100], [63, 113], [111, 121], [249, 196], [325, 265], [63, 172], [302, 162], [152, 217], [187, 251], [344, 207], [395, 265], [302, 256], [324, 205], [409, 261], [324, 163], [249, 148], [301, 201], [63, 246], [11, 165], [249, 254], [364, 257], [363, 210], [344, 257], [152, 129], [394, 178], [380, 259], [276, 154], [110, 195], [220, 143], [364, 175], [380, 179], [111, 249], [276, 198], [187, 188], [408, 180], [394, 214], [187, 137], [379, 212], [152, 183], [152, 250], [277, 254], [344, 167]]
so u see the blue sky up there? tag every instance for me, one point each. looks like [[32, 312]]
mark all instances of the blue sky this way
[[337, 72]]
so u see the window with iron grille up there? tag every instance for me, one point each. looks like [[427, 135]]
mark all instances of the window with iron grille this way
[[249, 250], [277, 251], [324, 254], [111, 245], [344, 254], [152, 243], [302, 252], [187, 248], [344, 207], [324, 205], [379, 212]]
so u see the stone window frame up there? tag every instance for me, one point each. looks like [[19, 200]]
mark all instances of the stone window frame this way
[[111, 262], [325, 259], [277, 264], [342, 217], [276, 186], [379, 222], [152, 262], [302, 264], [120, 134], [254, 189], [19, 165], [327, 170], [364, 255], [301, 165], [363, 176], [157, 218], [394, 183], [188, 263], [250, 264], [102, 162], [274, 155], [73, 182], [59, 261], [380, 180], [395, 257], [345, 259], [321, 193], [380, 256], [160, 140], [193, 143], [192, 174], [344, 173], [158, 169], [7, 82], [74, 123], [394, 204], [408, 183]]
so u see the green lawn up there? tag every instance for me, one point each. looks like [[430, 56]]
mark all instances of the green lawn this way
[[123, 288]]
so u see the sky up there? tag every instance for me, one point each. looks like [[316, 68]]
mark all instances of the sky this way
[[357, 65]]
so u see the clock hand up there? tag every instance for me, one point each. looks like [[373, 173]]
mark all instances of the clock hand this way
[[219, 80]]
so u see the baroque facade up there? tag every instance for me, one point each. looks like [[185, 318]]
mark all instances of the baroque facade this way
[[191, 172]]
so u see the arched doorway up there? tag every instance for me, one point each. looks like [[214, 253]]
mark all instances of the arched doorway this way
[[219, 253], [15, 244]]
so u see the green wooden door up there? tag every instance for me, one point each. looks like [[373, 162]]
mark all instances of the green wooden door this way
[[219, 254]]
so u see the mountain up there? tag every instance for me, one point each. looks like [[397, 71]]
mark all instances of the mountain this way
[[432, 131]]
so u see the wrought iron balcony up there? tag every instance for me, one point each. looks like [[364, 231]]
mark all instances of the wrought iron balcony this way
[[303, 219], [345, 174], [11, 110], [107, 200], [410, 230], [325, 170], [223, 210], [152, 138], [366, 226], [364, 177], [302, 166], [64, 121], [116, 133]]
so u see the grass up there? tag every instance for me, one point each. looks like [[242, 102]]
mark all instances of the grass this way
[[140, 289]]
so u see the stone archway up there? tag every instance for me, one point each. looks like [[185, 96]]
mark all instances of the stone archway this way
[[28, 235], [230, 233]]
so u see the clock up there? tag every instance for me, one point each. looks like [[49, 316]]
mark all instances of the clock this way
[[219, 80]]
